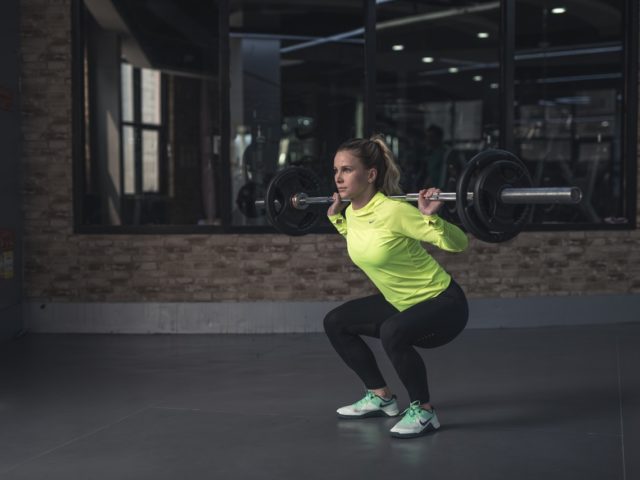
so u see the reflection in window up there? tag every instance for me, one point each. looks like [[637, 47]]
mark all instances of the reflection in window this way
[[127, 92], [437, 73], [569, 88], [296, 92], [151, 107], [141, 90], [128, 160], [152, 115], [150, 80], [150, 161]]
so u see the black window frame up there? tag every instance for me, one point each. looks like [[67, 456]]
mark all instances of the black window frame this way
[[629, 139]]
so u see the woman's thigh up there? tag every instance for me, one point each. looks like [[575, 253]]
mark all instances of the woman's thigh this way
[[431, 323], [362, 316]]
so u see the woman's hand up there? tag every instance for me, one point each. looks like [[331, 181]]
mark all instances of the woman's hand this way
[[429, 207], [337, 206]]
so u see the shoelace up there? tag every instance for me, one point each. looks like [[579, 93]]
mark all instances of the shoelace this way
[[412, 412], [367, 398]]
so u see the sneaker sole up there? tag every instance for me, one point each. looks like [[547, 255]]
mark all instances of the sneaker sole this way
[[372, 414], [426, 430]]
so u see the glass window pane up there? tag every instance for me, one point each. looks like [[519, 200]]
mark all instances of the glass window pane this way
[[152, 109], [150, 84], [569, 98], [150, 160], [128, 159], [296, 91], [126, 72], [437, 86]]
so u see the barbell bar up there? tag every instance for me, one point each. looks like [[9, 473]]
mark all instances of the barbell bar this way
[[514, 196], [494, 197]]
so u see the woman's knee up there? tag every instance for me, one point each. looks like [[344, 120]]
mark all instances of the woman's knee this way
[[391, 335], [333, 321]]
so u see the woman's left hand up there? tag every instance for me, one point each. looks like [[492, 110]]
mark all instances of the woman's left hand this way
[[426, 206]]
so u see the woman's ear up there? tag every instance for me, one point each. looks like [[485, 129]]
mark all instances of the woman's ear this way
[[373, 174]]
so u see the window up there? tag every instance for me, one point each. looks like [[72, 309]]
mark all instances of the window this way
[[437, 87], [569, 92], [186, 110], [297, 73], [151, 116], [141, 130]]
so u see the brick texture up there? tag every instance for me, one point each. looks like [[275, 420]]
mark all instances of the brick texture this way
[[61, 266]]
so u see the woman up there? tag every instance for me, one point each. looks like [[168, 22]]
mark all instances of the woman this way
[[419, 303]]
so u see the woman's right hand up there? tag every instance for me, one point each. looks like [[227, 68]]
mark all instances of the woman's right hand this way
[[337, 206]]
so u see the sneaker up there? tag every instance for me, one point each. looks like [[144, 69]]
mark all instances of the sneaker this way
[[370, 406], [416, 422]]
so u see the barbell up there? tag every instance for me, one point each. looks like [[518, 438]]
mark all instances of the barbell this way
[[494, 197]]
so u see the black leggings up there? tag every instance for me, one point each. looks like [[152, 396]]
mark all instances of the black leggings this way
[[428, 324]]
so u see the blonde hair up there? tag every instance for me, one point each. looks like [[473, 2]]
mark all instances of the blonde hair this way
[[373, 152]]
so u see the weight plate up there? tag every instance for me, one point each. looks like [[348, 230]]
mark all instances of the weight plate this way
[[246, 200], [468, 210], [280, 212], [491, 211], [448, 211]]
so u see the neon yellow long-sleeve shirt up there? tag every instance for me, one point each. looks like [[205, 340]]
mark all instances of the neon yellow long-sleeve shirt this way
[[383, 240]]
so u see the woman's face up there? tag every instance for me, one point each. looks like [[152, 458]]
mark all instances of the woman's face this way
[[351, 177]]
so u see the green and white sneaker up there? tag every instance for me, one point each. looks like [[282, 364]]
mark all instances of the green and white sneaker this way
[[416, 422], [371, 405]]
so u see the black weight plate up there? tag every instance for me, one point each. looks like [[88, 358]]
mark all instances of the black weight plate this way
[[491, 211], [466, 209], [246, 200], [448, 211], [280, 212]]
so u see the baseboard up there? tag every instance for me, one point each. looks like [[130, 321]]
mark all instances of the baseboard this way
[[300, 317]]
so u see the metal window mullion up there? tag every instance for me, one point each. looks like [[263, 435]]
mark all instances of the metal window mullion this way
[[507, 73], [78, 94], [146, 126], [137, 130], [630, 110], [224, 98], [369, 67]]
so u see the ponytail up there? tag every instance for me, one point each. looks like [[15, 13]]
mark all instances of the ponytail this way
[[388, 181], [375, 153]]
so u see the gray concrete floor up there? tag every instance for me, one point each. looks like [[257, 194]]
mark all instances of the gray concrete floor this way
[[546, 403]]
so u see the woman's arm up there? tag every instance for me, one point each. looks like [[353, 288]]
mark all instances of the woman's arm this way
[[430, 228]]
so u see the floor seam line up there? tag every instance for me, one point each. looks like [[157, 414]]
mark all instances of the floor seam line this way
[[76, 439], [624, 466]]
